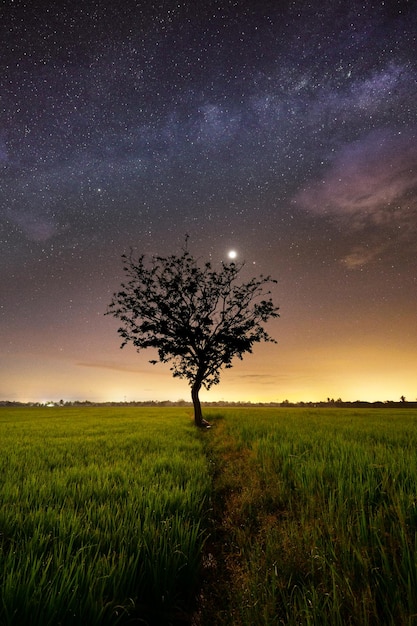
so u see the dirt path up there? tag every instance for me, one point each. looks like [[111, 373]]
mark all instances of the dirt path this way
[[221, 561]]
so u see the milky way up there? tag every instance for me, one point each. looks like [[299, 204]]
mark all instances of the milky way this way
[[281, 130]]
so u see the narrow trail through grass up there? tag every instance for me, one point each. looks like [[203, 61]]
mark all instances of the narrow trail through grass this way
[[237, 523], [220, 554]]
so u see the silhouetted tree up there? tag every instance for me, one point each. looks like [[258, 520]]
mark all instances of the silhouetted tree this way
[[198, 319]]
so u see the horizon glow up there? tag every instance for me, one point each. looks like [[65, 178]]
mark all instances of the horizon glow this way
[[279, 135]]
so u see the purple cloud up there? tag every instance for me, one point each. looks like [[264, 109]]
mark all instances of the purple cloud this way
[[36, 227], [371, 182], [370, 179]]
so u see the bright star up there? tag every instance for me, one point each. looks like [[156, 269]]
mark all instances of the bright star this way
[[232, 254]]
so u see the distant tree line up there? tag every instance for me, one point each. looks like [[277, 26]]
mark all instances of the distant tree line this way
[[329, 403]]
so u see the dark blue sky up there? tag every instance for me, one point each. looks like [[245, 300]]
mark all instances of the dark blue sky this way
[[286, 131]]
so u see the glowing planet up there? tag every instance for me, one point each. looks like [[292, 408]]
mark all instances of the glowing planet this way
[[232, 254]]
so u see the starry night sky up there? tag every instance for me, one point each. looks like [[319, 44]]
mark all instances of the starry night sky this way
[[284, 130]]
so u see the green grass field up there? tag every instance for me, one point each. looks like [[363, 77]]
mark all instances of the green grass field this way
[[273, 516], [100, 515], [319, 512]]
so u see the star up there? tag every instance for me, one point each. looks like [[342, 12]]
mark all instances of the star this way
[[266, 131]]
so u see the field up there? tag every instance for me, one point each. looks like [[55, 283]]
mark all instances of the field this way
[[273, 516], [319, 516], [100, 515]]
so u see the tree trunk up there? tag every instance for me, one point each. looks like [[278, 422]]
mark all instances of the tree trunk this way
[[198, 416]]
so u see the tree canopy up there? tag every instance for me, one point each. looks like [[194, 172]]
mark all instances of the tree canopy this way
[[197, 318]]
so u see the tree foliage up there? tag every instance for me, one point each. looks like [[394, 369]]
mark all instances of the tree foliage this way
[[198, 319]]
